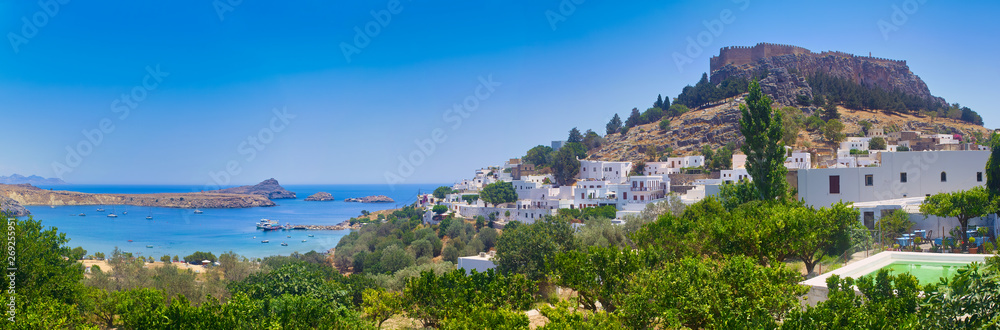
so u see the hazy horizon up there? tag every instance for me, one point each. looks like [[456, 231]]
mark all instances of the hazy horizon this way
[[197, 93]]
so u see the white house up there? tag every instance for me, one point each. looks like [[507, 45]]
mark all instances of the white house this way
[[660, 168], [735, 175], [480, 263], [686, 161], [944, 139], [615, 172], [798, 160], [900, 175], [859, 143]]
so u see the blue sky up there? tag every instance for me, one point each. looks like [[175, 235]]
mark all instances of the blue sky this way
[[224, 71]]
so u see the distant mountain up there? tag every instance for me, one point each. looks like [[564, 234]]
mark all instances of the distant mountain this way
[[33, 180], [268, 188]]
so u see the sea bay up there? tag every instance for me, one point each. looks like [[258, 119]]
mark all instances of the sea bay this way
[[180, 232]]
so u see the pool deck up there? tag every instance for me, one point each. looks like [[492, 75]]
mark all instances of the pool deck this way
[[817, 285]]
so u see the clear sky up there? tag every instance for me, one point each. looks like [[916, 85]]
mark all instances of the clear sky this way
[[188, 90]]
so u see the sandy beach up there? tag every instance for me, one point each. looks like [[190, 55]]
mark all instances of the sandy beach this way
[[103, 264]]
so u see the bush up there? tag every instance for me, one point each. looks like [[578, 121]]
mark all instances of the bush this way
[[988, 247], [665, 124], [440, 209]]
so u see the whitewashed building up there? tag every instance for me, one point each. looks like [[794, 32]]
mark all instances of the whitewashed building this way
[[900, 175]]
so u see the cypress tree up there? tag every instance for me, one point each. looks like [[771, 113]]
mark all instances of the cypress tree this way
[[762, 129]]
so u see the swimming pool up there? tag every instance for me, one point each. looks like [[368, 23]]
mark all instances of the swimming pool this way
[[926, 267]]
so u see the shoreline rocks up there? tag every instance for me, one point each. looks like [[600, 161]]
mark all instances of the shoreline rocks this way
[[12, 207], [371, 199], [320, 197], [268, 188]]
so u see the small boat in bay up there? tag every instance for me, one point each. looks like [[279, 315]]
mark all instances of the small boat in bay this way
[[112, 215], [303, 241], [311, 235], [197, 211], [82, 214], [265, 241], [149, 246], [284, 244]]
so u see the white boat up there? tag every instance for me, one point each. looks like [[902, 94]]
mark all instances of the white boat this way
[[197, 211], [265, 241], [311, 235], [112, 215], [303, 241], [82, 214], [284, 244], [100, 209]]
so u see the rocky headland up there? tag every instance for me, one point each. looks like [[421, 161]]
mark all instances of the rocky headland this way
[[372, 199], [12, 208], [26, 194], [33, 179], [320, 197], [269, 188]]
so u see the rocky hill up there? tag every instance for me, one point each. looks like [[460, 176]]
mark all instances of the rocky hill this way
[[12, 208], [718, 124], [748, 62], [268, 188], [26, 194]]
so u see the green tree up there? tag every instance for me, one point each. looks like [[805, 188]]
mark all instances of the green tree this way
[[439, 209], [47, 281], [813, 233], [525, 249], [634, 118], [614, 125], [165, 258], [380, 305], [793, 120], [829, 112], [498, 193], [540, 156], [665, 124], [591, 140], [676, 110], [441, 191], [993, 167], [762, 129], [865, 126], [659, 101], [963, 204], [395, 258], [599, 273], [833, 131], [575, 136], [877, 143], [894, 225], [565, 167]]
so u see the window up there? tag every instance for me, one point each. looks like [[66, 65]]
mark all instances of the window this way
[[979, 176], [869, 180], [834, 184], [944, 176], [902, 177]]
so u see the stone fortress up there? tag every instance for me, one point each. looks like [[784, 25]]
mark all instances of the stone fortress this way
[[740, 55]]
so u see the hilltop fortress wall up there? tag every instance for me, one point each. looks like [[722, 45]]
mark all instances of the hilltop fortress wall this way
[[740, 55]]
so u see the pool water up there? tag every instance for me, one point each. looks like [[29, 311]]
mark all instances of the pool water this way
[[925, 272]]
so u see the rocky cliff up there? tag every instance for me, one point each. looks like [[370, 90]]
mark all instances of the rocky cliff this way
[[320, 197], [868, 71], [30, 195], [12, 208], [268, 188]]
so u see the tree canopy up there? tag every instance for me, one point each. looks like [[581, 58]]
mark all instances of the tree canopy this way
[[498, 193], [963, 205]]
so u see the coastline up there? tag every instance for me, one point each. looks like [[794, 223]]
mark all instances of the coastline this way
[[28, 195]]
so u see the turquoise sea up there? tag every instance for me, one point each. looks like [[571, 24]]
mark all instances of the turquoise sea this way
[[181, 232]]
